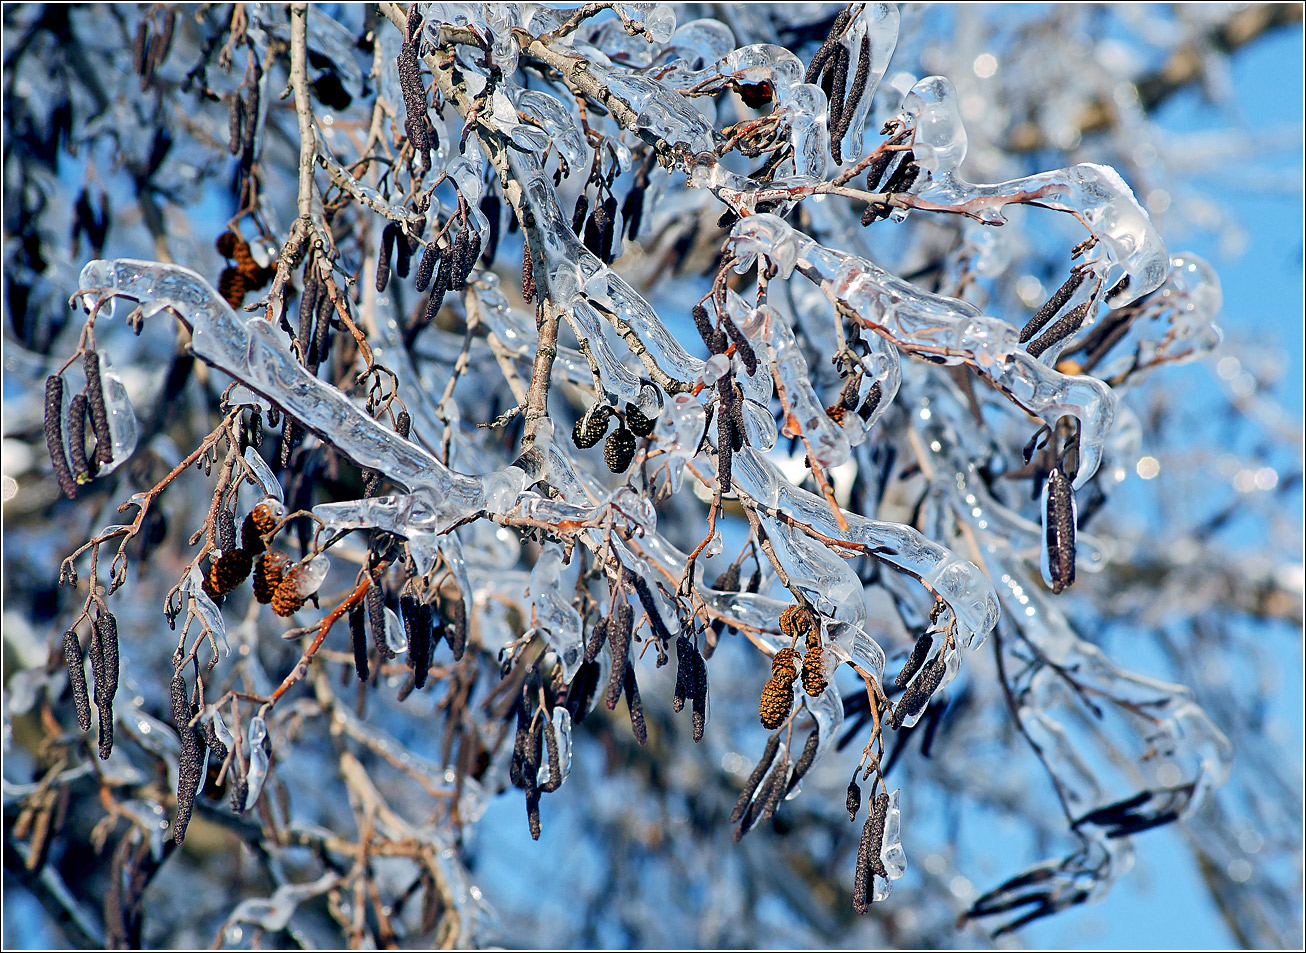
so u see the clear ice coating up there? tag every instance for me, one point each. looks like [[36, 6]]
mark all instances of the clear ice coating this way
[[959, 583], [209, 614], [1177, 323], [771, 335], [554, 614], [891, 853], [255, 353], [263, 475], [561, 728], [258, 760], [1096, 193], [937, 328], [396, 639]]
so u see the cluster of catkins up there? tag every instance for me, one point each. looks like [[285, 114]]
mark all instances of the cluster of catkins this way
[[104, 669], [76, 468], [829, 70]]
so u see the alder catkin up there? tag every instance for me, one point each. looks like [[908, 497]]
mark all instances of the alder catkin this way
[[920, 651], [77, 412], [598, 637], [619, 634], [426, 266], [383, 256], [236, 125], [358, 640], [635, 706], [1052, 306], [191, 762], [1060, 534], [374, 600], [456, 633], [1061, 329], [698, 694], [805, 759], [854, 800], [683, 666], [54, 435], [72, 656], [754, 779]]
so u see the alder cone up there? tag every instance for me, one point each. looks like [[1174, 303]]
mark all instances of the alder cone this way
[[814, 671], [636, 420], [590, 429], [288, 600], [796, 620], [784, 664], [776, 701], [227, 572], [258, 525], [268, 570], [619, 450]]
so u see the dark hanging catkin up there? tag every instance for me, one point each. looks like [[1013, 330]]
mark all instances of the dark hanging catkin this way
[[724, 451], [619, 633], [827, 49], [457, 630], [854, 801], [1061, 329], [383, 255], [420, 645], [917, 695], [77, 411], [598, 636], [236, 125], [858, 88], [805, 759], [191, 762], [647, 599], [742, 347], [835, 109], [426, 266], [72, 656], [698, 694], [358, 639], [579, 213], [776, 785], [754, 779], [920, 651], [635, 706], [106, 678], [1060, 522], [54, 435], [554, 757], [683, 668], [1052, 306], [414, 93]]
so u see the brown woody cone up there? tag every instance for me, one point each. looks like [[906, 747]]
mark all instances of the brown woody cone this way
[[777, 698], [227, 572], [268, 570]]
